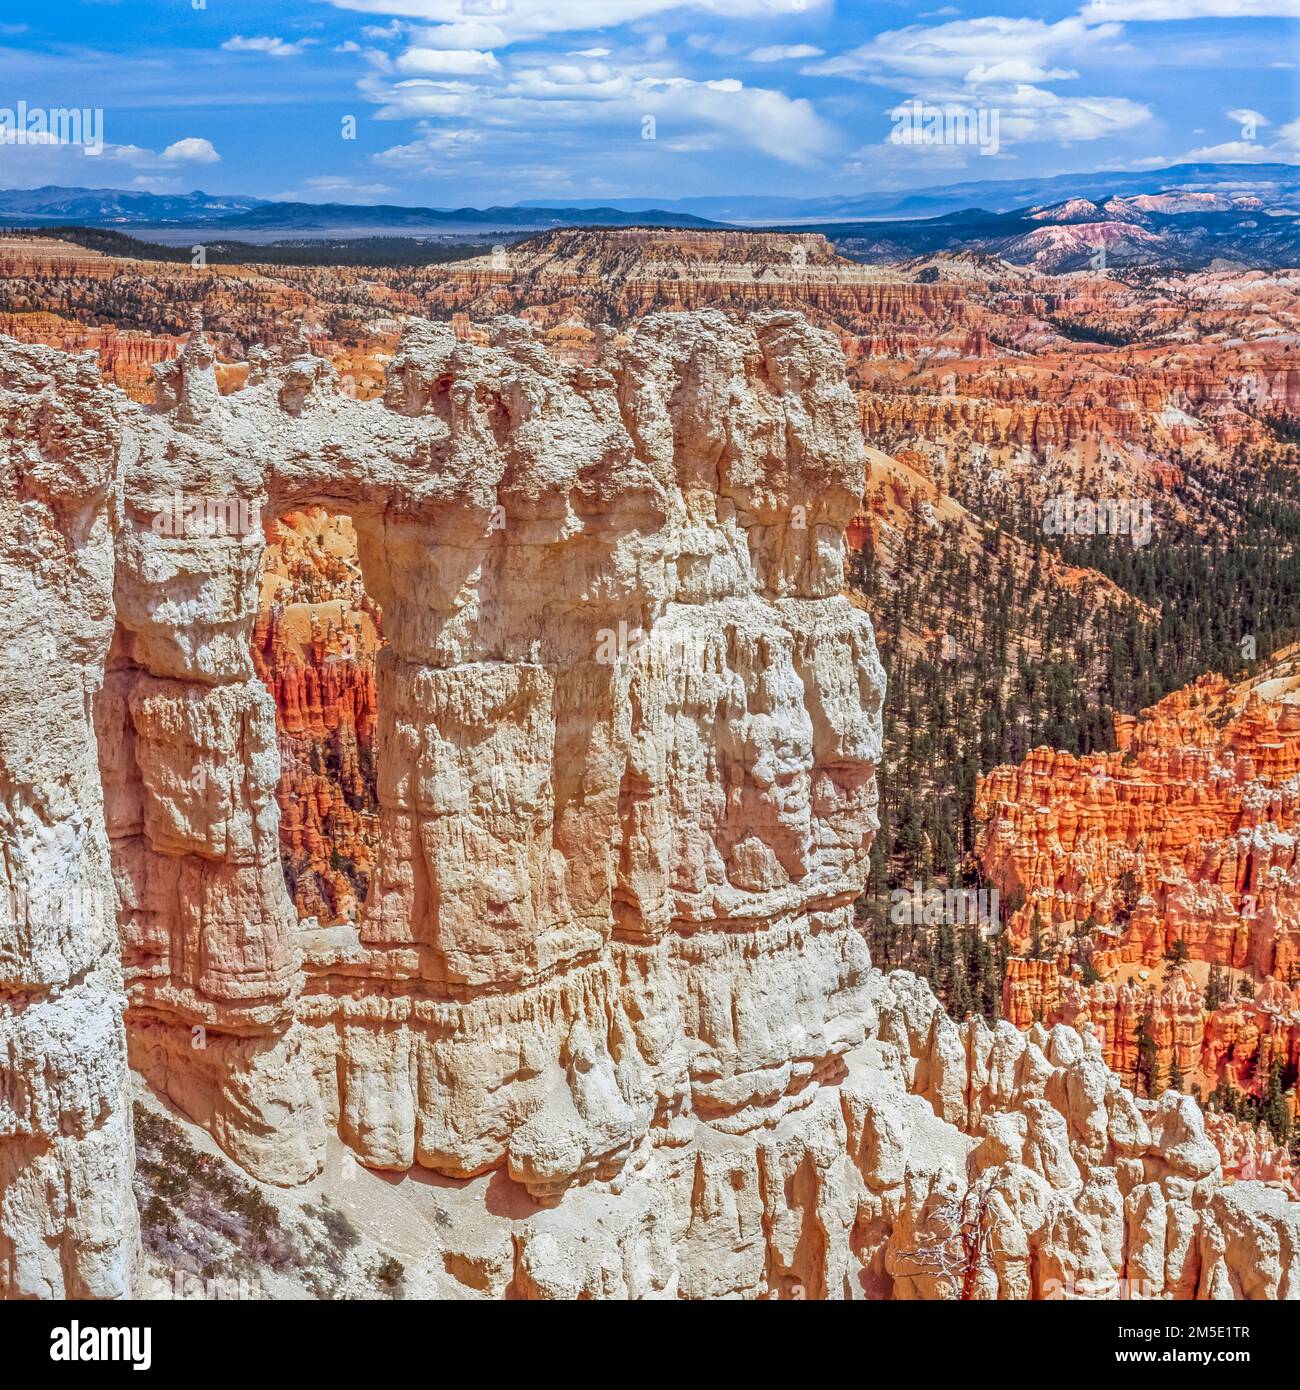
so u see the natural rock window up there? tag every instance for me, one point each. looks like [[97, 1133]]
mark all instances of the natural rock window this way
[[315, 644]]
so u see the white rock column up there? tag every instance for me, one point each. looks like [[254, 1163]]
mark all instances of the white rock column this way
[[68, 1223]]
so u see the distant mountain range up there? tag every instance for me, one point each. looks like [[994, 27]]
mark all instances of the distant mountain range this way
[[113, 207], [1274, 183], [1188, 230], [104, 207], [1190, 215]]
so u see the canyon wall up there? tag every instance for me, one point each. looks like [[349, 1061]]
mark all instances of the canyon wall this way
[[605, 977], [1185, 833], [1177, 848]]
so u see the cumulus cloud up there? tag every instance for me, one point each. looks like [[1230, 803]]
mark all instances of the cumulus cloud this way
[[430, 150], [462, 61], [1283, 148], [1032, 113], [586, 91], [1230, 152], [523, 20], [976, 52], [191, 150], [463, 73], [266, 43], [1007, 65], [1245, 116], [472, 32], [44, 160], [463, 70], [1195, 9], [781, 53], [557, 96]]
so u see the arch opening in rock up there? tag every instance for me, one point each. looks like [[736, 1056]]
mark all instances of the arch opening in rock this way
[[315, 645]]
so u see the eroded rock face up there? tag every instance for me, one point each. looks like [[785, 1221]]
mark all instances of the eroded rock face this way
[[625, 751], [68, 1225], [625, 748], [948, 1162], [1196, 811], [605, 973], [1181, 843]]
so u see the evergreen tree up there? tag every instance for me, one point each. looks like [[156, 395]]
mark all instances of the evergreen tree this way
[[1274, 1110], [1214, 989], [1148, 1058]]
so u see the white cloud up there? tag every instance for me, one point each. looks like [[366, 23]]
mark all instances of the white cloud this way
[[780, 53], [266, 43], [1033, 113], [430, 151], [471, 32], [569, 81], [1243, 114], [976, 52], [458, 61], [522, 20], [46, 161], [454, 67], [1192, 9], [773, 123], [604, 99], [1284, 148], [1005, 65], [192, 150], [1233, 152], [334, 188]]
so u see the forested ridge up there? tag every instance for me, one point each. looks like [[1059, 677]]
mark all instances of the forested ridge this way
[[989, 653]]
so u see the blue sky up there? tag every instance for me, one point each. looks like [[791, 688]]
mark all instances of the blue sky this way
[[493, 101]]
